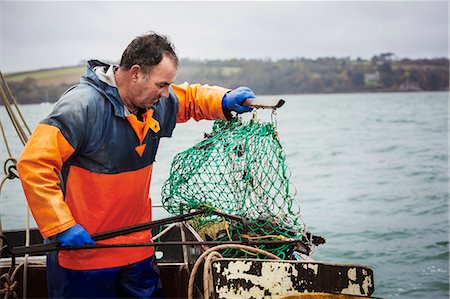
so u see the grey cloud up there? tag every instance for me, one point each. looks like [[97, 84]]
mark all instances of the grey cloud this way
[[49, 34]]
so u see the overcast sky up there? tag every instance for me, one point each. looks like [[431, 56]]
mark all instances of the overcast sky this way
[[37, 35]]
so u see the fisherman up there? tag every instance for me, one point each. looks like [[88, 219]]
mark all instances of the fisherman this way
[[87, 167]]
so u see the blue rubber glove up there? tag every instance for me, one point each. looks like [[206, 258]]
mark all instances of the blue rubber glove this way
[[232, 101], [74, 236]]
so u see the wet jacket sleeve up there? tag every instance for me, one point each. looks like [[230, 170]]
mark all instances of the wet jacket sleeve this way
[[54, 140], [39, 166], [199, 102]]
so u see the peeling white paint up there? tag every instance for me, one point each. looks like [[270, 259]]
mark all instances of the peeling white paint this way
[[253, 292], [217, 266], [275, 277], [314, 267], [236, 267], [366, 284], [351, 274], [272, 275], [355, 289], [226, 292], [352, 289]]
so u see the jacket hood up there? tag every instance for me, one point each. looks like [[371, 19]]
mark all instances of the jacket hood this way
[[108, 91]]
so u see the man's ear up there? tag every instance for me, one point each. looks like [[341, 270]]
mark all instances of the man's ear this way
[[135, 71]]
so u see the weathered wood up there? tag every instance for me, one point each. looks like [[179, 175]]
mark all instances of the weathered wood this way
[[239, 278]]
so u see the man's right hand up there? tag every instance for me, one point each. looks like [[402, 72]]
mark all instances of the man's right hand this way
[[74, 236]]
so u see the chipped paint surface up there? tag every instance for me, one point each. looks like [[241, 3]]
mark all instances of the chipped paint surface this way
[[314, 267], [249, 278], [274, 277], [227, 292], [367, 283], [355, 288], [352, 289], [352, 274]]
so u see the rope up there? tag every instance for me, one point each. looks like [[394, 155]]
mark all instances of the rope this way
[[206, 273], [23, 134], [13, 99], [8, 286], [19, 130], [5, 140], [211, 250]]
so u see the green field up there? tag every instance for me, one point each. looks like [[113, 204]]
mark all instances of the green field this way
[[71, 75], [48, 77]]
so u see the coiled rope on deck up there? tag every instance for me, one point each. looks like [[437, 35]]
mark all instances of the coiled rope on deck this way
[[209, 255]]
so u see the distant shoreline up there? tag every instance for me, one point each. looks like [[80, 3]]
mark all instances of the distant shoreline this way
[[285, 96], [382, 73]]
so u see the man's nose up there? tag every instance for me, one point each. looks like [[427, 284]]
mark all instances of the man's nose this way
[[165, 92]]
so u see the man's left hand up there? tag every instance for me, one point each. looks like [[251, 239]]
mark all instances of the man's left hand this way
[[233, 100]]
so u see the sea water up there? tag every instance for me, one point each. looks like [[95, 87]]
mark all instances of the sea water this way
[[371, 171]]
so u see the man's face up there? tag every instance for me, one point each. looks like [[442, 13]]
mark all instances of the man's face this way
[[148, 88]]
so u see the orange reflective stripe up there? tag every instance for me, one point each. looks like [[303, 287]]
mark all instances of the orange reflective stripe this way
[[38, 166], [199, 101]]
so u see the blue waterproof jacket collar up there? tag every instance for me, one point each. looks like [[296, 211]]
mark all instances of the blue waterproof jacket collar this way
[[110, 92]]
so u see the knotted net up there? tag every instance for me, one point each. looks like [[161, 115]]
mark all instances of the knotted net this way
[[239, 169]]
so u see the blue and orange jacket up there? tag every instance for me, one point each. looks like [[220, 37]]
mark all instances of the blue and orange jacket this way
[[90, 164]]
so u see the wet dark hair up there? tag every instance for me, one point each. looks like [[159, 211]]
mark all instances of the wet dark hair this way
[[147, 51]]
